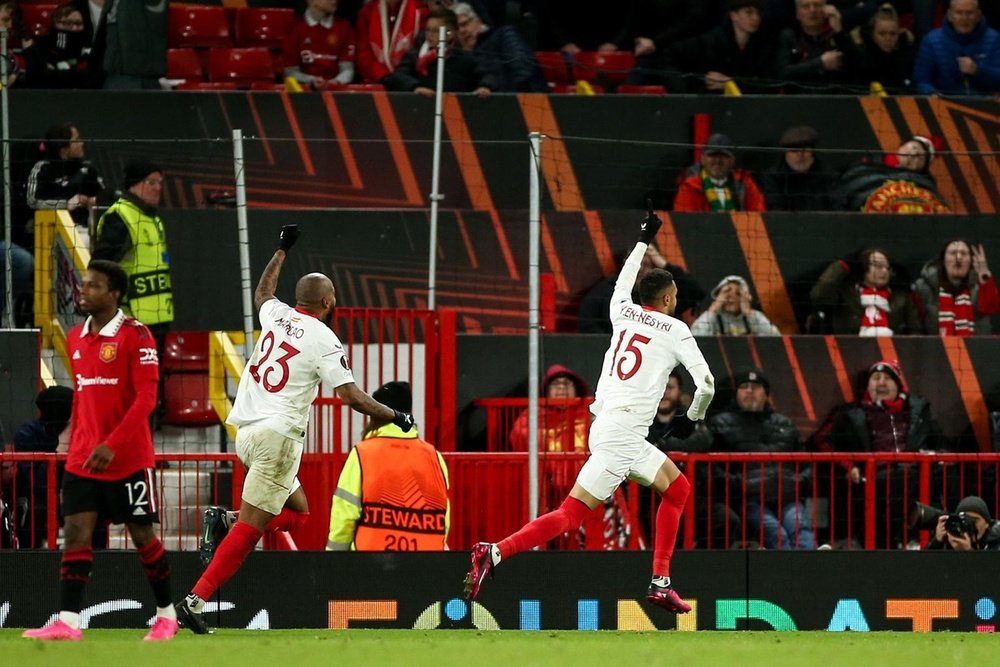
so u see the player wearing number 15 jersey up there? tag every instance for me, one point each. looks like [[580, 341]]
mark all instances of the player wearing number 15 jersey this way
[[296, 351], [646, 344], [109, 472]]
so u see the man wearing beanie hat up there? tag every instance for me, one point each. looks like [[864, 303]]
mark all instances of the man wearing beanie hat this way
[[132, 233], [886, 419], [985, 535], [714, 184], [392, 494]]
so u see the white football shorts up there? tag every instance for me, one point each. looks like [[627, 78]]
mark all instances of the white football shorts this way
[[273, 463], [617, 454]]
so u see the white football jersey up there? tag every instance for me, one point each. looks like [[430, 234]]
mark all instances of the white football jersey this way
[[645, 346], [294, 354]]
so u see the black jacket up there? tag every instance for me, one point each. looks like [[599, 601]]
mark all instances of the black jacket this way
[[787, 190], [752, 67], [799, 62], [867, 62], [463, 73], [989, 542], [851, 432], [505, 53]]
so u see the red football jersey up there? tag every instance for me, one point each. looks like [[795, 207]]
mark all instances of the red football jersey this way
[[116, 371], [318, 50]]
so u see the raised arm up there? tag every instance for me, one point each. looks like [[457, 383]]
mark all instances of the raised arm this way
[[268, 283]]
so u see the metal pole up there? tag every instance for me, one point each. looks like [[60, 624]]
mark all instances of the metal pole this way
[[8, 318], [244, 239], [534, 232], [436, 195]]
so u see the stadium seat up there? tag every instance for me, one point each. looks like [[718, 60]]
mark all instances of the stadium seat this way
[[37, 18], [206, 85], [185, 380], [555, 67], [184, 64], [240, 66], [605, 68], [256, 26], [631, 89], [198, 26]]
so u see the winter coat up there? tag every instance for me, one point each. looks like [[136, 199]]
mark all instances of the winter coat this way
[[852, 429], [504, 52], [463, 73], [691, 195], [561, 427], [752, 66], [867, 62], [788, 190], [859, 183], [726, 324], [836, 291], [936, 69], [985, 299], [799, 60]]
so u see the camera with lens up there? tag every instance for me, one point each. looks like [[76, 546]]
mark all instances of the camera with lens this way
[[960, 524]]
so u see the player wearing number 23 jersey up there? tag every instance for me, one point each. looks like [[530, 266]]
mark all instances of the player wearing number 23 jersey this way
[[646, 344], [295, 352]]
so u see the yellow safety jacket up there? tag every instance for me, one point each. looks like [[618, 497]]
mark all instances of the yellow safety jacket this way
[[150, 297], [392, 495]]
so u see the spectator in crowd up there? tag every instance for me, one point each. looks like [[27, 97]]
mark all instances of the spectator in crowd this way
[[658, 25], [90, 11], [732, 312], [501, 50], [572, 26], [673, 402], [886, 419], [63, 179], [985, 535], [736, 50], [60, 59], [811, 54], [594, 316], [47, 433], [135, 56], [132, 233], [463, 73], [860, 298], [768, 491], [17, 40], [956, 292], [320, 47], [392, 494], [900, 183], [716, 185], [798, 181], [883, 52], [962, 57], [563, 420], [385, 31]]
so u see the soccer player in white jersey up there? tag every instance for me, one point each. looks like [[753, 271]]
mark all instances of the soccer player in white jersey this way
[[646, 344], [297, 350]]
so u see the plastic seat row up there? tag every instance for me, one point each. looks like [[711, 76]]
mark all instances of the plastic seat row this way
[[200, 26]]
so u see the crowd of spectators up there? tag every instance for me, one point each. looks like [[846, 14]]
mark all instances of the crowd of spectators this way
[[694, 46]]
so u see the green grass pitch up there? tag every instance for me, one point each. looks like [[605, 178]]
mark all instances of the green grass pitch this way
[[509, 648]]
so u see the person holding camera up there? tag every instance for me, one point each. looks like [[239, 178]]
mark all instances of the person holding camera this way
[[969, 528]]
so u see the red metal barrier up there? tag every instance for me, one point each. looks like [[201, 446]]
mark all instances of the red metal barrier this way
[[489, 495]]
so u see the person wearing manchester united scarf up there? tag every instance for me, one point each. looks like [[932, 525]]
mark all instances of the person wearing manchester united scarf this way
[[715, 185], [109, 471], [861, 298], [956, 293]]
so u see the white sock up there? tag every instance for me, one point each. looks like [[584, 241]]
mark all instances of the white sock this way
[[166, 612], [70, 618], [495, 554], [662, 582], [194, 603]]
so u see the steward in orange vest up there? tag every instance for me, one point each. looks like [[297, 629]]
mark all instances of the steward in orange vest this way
[[392, 494]]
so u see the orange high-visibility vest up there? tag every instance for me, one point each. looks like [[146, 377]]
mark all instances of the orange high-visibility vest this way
[[404, 496]]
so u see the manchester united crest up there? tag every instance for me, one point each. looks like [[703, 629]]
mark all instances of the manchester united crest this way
[[108, 352]]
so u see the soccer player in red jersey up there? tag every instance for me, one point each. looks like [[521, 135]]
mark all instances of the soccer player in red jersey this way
[[109, 472]]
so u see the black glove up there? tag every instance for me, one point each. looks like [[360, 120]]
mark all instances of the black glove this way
[[650, 225], [404, 420], [288, 236], [681, 427]]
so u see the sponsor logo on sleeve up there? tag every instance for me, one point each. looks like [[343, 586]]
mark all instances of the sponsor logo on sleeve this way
[[148, 356]]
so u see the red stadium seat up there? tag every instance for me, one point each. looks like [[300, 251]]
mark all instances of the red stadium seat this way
[[37, 19], [185, 380], [263, 26], [630, 89], [206, 85], [605, 68], [184, 64], [240, 66], [198, 26], [555, 67]]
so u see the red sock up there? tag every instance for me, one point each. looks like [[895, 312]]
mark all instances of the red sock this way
[[668, 517], [231, 553], [288, 520], [546, 527]]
